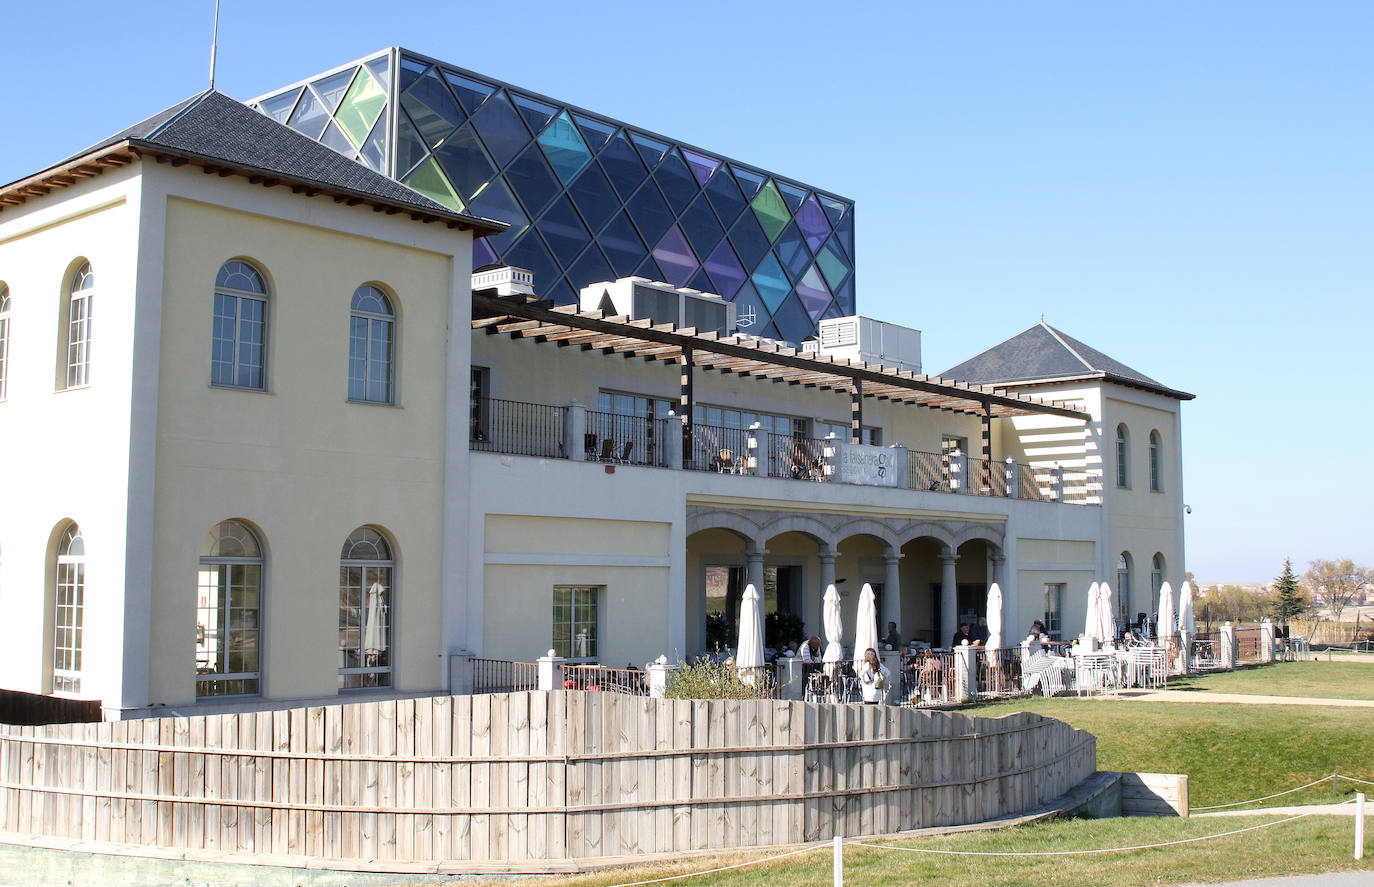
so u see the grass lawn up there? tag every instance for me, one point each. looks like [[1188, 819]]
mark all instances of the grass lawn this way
[[1326, 680], [1314, 844]]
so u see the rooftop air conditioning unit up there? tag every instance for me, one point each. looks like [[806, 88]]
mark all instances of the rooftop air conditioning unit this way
[[868, 340], [640, 298]]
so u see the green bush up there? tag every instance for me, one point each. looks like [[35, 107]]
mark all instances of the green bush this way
[[714, 680]]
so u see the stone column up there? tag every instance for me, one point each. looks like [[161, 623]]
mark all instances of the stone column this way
[[998, 560], [753, 573], [892, 592], [790, 674], [1227, 654], [827, 561], [753, 452], [575, 431], [892, 659], [460, 673], [672, 446], [949, 599], [1013, 482], [965, 672], [659, 671], [550, 671], [1266, 651], [958, 472]]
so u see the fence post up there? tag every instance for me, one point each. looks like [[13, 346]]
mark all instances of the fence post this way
[[1266, 651], [893, 660], [1013, 487], [1359, 825], [900, 460], [1227, 654], [965, 672], [958, 471], [837, 867], [751, 449], [575, 430], [791, 673], [550, 671], [672, 446], [460, 673], [659, 670]]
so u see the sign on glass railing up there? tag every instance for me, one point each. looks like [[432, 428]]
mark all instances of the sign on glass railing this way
[[869, 465]]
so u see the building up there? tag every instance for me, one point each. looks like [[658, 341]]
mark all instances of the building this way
[[587, 198], [279, 442]]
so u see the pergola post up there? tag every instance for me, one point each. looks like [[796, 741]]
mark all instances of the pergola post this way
[[856, 412], [685, 404]]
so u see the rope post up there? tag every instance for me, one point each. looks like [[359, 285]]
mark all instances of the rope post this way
[[1335, 782], [839, 861], [1359, 825]]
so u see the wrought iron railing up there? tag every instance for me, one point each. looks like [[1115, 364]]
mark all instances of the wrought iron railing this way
[[517, 428], [631, 681], [503, 676], [630, 440], [717, 448]]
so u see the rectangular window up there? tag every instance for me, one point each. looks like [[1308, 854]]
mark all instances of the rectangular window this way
[[575, 624], [66, 663], [227, 610], [1054, 603], [236, 356], [79, 342], [479, 394]]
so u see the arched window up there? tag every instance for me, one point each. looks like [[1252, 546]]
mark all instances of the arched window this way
[[239, 347], [229, 612], [1123, 457], [1156, 575], [1123, 585], [4, 339], [371, 347], [1156, 481], [68, 606], [80, 301], [366, 570]]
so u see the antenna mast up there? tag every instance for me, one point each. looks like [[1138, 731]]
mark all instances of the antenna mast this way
[[214, 39]]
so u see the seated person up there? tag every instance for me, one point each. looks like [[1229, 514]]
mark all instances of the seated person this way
[[962, 635], [811, 650], [893, 638]]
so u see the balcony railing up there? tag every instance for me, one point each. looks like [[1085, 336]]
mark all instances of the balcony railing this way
[[519, 429], [630, 440], [503, 676]]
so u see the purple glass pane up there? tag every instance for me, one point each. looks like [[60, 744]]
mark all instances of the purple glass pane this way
[[703, 167], [814, 227], [814, 295], [675, 257], [726, 272], [482, 253]]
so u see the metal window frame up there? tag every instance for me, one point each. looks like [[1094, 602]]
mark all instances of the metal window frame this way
[[368, 363], [222, 607], [366, 564], [239, 296]]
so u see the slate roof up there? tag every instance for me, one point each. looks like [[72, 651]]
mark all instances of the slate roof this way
[[1043, 354], [213, 127]]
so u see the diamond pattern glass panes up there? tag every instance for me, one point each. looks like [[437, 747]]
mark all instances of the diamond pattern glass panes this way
[[495, 202], [471, 93], [750, 311], [749, 182], [594, 197], [649, 268], [596, 133], [623, 165], [564, 147], [361, 107], [792, 321], [331, 89], [676, 181], [675, 257], [701, 282], [278, 107], [750, 243], [536, 113], [410, 150], [844, 298], [310, 116], [650, 214], [833, 208], [727, 274], [482, 253], [652, 150], [811, 220], [464, 162], [432, 108], [791, 250], [411, 70], [590, 268], [771, 211], [374, 149], [791, 195], [429, 181], [771, 283], [531, 254], [703, 167], [832, 266], [334, 137], [381, 69], [530, 178], [563, 231], [845, 232], [501, 129], [725, 197], [622, 245], [700, 225], [833, 311], [815, 297]]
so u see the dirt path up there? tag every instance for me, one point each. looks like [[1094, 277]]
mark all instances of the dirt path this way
[[1242, 698]]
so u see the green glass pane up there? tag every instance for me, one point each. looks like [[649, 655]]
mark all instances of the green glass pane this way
[[832, 266], [771, 211], [564, 147], [361, 106], [430, 181]]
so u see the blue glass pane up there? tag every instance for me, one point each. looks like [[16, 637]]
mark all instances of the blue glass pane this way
[[564, 148], [675, 257], [411, 70], [833, 264], [593, 196], [727, 274], [703, 167], [792, 251], [465, 163], [813, 293], [381, 69], [649, 268], [471, 93], [767, 330], [812, 222], [749, 182], [374, 149], [595, 132], [410, 150], [563, 231], [563, 293], [834, 311], [792, 321], [701, 282], [278, 107], [482, 253], [750, 243], [771, 283], [590, 268], [623, 166], [622, 245], [432, 108], [334, 137], [332, 88], [650, 214], [845, 232], [844, 298], [750, 312], [700, 225], [676, 181], [833, 208], [310, 116], [529, 177], [536, 113], [652, 150], [529, 253], [725, 197], [496, 202], [792, 195], [501, 129]]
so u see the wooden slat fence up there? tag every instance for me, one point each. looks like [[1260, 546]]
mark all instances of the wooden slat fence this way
[[527, 777]]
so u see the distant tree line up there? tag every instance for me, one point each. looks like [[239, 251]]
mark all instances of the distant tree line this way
[[1331, 585]]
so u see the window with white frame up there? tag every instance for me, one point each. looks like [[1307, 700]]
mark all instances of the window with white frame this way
[[366, 573], [229, 612], [371, 347], [575, 624], [479, 396], [1123, 457], [1156, 575], [1123, 585], [4, 339], [80, 301], [239, 347], [1156, 480], [69, 605], [1054, 609]]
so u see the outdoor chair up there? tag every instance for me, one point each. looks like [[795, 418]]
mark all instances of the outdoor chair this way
[[607, 451], [589, 445], [625, 452], [725, 461]]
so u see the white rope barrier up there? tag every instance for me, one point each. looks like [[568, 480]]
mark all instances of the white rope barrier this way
[[724, 868], [1266, 797], [1353, 779]]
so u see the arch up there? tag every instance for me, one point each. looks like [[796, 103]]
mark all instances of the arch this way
[[806, 525], [1125, 568], [1123, 456], [1158, 570], [68, 604], [74, 359], [867, 527], [1156, 451], [367, 599], [927, 530], [238, 350], [736, 523], [372, 323], [229, 590], [984, 532]]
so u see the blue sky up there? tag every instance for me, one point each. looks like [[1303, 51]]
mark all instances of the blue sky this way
[[1186, 187]]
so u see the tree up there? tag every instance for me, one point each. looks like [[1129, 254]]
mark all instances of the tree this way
[[1229, 603], [1334, 583], [1288, 598]]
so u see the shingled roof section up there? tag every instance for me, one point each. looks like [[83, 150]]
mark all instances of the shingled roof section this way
[[212, 126], [1044, 354]]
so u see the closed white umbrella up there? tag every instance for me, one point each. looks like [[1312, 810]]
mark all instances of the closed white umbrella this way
[[749, 657], [1090, 623], [834, 626], [994, 617], [1185, 609], [1166, 612], [1106, 626], [374, 632], [865, 625]]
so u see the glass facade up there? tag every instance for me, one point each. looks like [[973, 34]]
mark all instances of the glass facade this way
[[588, 198]]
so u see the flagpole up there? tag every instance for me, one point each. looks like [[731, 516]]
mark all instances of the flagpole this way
[[214, 40]]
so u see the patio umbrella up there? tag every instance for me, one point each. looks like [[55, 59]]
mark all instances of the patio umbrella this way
[[749, 656], [1090, 623], [994, 617], [1185, 609], [865, 625], [1166, 612], [374, 633], [1106, 626], [834, 626]]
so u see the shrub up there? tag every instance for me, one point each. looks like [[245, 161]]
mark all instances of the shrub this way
[[714, 680]]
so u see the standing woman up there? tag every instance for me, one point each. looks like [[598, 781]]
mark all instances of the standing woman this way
[[873, 678]]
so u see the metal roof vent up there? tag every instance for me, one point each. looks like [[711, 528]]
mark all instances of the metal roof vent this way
[[505, 279]]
